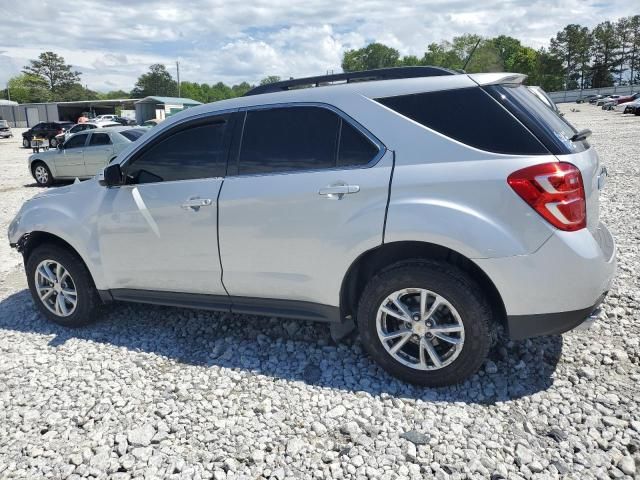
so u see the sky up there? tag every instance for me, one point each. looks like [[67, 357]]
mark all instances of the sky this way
[[112, 42]]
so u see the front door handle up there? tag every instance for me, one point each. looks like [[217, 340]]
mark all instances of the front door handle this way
[[338, 191], [194, 204]]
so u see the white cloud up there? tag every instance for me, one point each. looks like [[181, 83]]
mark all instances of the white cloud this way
[[112, 43]]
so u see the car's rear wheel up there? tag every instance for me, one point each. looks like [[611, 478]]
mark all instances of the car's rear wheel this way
[[425, 322], [53, 142], [26, 143], [61, 286]]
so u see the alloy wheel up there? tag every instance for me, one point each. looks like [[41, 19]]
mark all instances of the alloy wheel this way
[[420, 329], [56, 289], [41, 174]]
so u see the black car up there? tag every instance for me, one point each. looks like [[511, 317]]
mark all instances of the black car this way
[[47, 131]]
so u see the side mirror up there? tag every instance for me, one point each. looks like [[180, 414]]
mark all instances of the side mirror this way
[[112, 175]]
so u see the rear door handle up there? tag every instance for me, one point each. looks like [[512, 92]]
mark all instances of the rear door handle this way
[[194, 204], [338, 191]]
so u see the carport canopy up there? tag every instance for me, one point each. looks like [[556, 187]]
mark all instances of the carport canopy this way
[[72, 110]]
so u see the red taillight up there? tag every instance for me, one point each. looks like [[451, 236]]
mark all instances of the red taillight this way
[[61, 130], [555, 191]]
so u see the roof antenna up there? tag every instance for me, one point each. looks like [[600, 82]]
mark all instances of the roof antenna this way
[[473, 50]]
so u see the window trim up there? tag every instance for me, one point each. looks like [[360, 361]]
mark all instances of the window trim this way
[[175, 128], [86, 140], [234, 162], [91, 133]]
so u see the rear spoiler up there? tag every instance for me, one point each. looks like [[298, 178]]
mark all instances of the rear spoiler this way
[[501, 78]]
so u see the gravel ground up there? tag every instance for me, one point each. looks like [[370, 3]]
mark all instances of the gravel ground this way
[[171, 393]]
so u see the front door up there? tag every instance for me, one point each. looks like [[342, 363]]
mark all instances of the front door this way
[[98, 153], [310, 192], [158, 232], [69, 161]]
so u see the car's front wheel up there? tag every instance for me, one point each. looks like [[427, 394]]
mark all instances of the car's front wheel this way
[[425, 322], [42, 174], [61, 286], [53, 142], [26, 143]]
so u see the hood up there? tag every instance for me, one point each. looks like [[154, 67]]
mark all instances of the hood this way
[[73, 189]]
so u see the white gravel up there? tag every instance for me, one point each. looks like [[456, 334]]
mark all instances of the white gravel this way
[[170, 393]]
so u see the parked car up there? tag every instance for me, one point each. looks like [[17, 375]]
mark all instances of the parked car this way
[[46, 131], [112, 119], [372, 202], [5, 130], [82, 155], [78, 127], [631, 107], [544, 98], [601, 101], [595, 98], [587, 98], [622, 104]]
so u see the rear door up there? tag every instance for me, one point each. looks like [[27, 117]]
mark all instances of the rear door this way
[[69, 161], [159, 231], [97, 153], [308, 192]]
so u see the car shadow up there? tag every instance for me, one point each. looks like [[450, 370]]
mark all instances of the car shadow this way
[[286, 349]]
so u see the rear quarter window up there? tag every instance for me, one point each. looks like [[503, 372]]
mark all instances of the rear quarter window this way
[[553, 130], [470, 116]]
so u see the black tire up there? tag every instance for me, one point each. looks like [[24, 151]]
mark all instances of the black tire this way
[[459, 290], [26, 143], [53, 142], [42, 181], [88, 302]]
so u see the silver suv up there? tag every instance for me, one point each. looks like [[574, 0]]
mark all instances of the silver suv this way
[[430, 208]]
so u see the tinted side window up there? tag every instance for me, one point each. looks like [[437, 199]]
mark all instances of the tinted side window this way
[[354, 148], [100, 139], [76, 141], [288, 139], [470, 116], [196, 151]]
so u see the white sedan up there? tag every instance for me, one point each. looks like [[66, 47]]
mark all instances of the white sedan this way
[[621, 107], [82, 155]]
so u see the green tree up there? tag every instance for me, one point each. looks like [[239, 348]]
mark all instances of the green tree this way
[[240, 89], [270, 79], [571, 46], [509, 49], [157, 81], [605, 54], [441, 55], [74, 92], [374, 55], [28, 88], [634, 52], [625, 35], [52, 68], [114, 94]]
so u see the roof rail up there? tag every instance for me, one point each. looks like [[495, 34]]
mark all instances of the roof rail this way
[[362, 76]]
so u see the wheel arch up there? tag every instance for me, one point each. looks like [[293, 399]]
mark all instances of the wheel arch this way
[[377, 259]]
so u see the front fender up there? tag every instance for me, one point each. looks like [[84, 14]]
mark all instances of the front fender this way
[[55, 216]]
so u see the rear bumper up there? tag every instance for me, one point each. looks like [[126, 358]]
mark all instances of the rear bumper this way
[[555, 288], [528, 326]]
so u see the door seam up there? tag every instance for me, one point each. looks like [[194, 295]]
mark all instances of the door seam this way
[[386, 209], [218, 241]]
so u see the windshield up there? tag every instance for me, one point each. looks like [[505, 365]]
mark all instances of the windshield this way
[[551, 129], [3, 123]]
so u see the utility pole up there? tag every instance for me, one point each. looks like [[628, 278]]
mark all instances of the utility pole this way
[[8, 92], [178, 72]]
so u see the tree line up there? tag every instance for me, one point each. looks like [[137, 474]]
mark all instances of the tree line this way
[[577, 57]]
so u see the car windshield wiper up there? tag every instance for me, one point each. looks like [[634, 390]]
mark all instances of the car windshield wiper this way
[[581, 135]]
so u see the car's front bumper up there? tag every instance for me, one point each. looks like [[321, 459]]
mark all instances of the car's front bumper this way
[[558, 286]]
